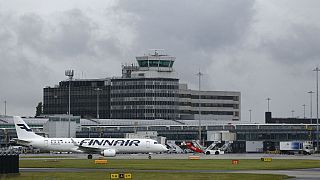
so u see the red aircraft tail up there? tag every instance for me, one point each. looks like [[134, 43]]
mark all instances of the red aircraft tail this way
[[191, 146]]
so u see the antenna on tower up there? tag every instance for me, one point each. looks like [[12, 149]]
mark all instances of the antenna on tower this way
[[156, 52]]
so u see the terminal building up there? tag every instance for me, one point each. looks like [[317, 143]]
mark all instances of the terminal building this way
[[177, 130], [147, 90]]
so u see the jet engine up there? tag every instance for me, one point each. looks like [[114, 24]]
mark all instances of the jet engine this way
[[108, 153]]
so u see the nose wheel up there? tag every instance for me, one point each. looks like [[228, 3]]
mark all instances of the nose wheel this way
[[89, 156], [149, 157]]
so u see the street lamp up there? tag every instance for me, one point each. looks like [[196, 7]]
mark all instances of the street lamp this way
[[317, 84], [70, 74], [250, 114], [310, 92], [98, 91]]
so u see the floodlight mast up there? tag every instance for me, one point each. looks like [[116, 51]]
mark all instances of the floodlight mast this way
[[310, 92], [317, 94], [304, 111], [292, 113], [70, 74], [5, 108], [199, 101], [268, 99]]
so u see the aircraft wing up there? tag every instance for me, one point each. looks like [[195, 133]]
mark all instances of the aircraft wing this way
[[86, 149]]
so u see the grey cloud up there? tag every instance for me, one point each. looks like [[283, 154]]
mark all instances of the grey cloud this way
[[217, 36], [299, 46], [30, 31], [78, 35], [69, 36], [202, 25], [35, 51], [190, 30], [72, 35]]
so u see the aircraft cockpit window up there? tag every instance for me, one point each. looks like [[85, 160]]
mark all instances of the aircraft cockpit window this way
[[155, 142]]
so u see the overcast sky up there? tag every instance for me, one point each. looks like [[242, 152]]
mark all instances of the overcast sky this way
[[262, 48]]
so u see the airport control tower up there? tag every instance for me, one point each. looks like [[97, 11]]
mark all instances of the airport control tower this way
[[156, 64], [148, 90]]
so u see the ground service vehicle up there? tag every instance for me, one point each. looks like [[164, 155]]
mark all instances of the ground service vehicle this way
[[300, 147], [196, 147]]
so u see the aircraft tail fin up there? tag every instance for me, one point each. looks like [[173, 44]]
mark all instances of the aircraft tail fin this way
[[23, 130]]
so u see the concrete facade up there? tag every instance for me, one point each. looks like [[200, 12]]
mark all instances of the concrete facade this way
[[61, 126]]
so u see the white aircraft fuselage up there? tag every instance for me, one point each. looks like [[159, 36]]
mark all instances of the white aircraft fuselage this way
[[105, 146], [120, 145]]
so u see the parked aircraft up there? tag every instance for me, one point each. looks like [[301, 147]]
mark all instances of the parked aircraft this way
[[107, 147]]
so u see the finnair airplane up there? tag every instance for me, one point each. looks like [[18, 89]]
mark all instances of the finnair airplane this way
[[107, 147]]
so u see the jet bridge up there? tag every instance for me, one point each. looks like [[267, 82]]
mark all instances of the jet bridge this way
[[221, 140]]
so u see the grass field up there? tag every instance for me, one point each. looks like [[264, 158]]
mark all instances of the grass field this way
[[121, 165], [142, 176], [245, 164], [47, 157]]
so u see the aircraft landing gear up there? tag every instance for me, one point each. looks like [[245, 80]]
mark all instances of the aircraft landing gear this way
[[149, 156], [89, 156]]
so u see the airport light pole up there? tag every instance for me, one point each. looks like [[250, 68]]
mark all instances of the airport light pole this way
[[98, 91], [317, 94], [304, 111], [310, 92], [199, 74], [5, 108], [70, 74], [268, 99], [250, 114], [292, 111]]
